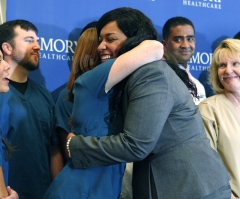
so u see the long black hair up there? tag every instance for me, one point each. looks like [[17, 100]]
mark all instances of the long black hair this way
[[182, 74], [137, 27], [133, 23]]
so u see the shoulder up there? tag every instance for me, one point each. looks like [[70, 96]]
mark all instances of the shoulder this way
[[94, 80], [99, 72], [40, 90], [159, 78], [159, 72], [63, 94], [62, 99], [105, 66], [214, 100], [155, 68], [212, 106], [37, 85]]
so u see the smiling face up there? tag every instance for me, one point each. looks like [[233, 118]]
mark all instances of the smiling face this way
[[111, 40], [4, 67], [26, 49], [181, 43], [229, 73]]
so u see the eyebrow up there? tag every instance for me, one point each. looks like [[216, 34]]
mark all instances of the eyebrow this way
[[108, 34], [184, 36], [31, 37]]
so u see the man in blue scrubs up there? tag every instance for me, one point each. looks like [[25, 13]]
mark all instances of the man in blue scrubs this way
[[30, 109]]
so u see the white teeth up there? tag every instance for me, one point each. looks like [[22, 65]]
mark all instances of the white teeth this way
[[105, 57]]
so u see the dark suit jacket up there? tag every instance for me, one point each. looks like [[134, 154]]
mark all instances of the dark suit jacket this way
[[163, 134]]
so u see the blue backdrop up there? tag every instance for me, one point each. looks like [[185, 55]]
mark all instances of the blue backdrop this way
[[60, 23]]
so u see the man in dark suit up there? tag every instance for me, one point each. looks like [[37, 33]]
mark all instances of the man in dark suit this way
[[163, 132]]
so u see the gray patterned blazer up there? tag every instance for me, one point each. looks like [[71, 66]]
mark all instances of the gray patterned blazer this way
[[163, 134]]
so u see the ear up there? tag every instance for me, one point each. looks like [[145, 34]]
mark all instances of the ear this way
[[7, 48], [164, 44]]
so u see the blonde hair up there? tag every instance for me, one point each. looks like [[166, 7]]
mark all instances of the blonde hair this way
[[228, 49], [85, 57]]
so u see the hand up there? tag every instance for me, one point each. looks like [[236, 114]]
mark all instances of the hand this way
[[69, 136], [233, 197], [12, 194]]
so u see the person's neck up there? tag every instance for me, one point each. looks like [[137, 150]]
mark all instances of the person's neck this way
[[234, 97], [185, 65], [18, 74]]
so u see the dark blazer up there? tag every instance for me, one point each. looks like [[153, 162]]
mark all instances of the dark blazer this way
[[163, 134]]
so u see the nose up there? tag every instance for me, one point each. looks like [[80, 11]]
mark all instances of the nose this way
[[36, 46], [228, 69], [184, 43], [6, 66], [101, 46]]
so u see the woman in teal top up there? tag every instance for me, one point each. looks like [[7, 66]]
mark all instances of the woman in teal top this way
[[92, 116]]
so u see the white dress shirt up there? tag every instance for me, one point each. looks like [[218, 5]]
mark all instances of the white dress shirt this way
[[200, 88]]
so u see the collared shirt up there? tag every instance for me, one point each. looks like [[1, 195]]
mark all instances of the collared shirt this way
[[200, 88]]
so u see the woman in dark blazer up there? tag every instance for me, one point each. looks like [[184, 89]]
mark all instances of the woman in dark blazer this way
[[163, 131]]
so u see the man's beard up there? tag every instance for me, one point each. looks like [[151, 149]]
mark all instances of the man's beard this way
[[29, 65], [26, 62]]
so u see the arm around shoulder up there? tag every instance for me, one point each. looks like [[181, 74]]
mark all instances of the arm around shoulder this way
[[146, 52], [137, 139]]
